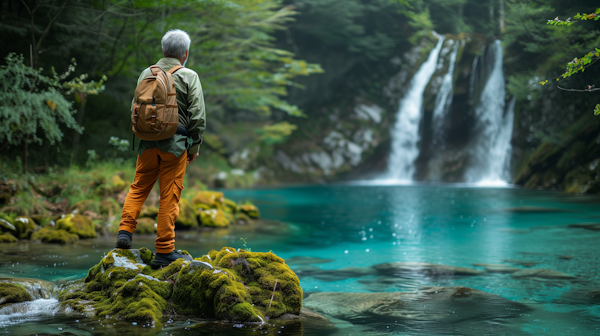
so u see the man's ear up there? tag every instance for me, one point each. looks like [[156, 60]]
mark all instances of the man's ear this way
[[187, 54]]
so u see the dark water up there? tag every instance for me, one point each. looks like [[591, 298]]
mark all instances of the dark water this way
[[362, 226]]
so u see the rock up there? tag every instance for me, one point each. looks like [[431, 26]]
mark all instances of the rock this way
[[50, 235], [587, 226], [307, 260], [430, 304], [6, 224], [524, 263], [145, 226], [212, 199], [583, 295], [25, 227], [242, 219], [502, 269], [250, 210], [542, 273], [77, 224], [531, 209], [333, 274], [187, 216], [85, 205], [213, 218], [232, 285], [10, 293], [230, 206], [565, 257], [109, 207], [488, 265], [37, 289], [433, 270], [6, 237]]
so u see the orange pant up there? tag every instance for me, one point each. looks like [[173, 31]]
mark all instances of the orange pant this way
[[171, 169]]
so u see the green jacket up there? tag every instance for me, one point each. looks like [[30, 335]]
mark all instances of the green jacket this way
[[191, 100]]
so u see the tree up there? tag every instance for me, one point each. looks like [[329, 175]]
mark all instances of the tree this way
[[33, 106]]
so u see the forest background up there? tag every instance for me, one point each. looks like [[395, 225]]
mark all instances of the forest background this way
[[278, 76]]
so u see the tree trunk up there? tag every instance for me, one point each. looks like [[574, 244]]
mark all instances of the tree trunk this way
[[25, 155], [80, 118], [501, 16]]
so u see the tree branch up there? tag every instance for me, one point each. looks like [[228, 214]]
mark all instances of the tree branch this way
[[576, 90]]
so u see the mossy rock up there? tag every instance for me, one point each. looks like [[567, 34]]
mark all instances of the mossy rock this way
[[239, 288], [228, 284], [230, 206], [7, 237], [54, 236], [10, 293], [213, 199], [25, 227], [149, 212], [250, 210], [117, 184], [243, 219], [80, 225], [145, 226], [85, 205], [7, 223], [187, 216], [213, 218]]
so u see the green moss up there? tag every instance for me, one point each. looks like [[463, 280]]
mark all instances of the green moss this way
[[10, 293], [8, 238], [7, 224], [145, 226], [230, 206], [213, 218], [187, 216], [250, 210], [239, 288], [109, 206], [77, 224], [25, 227], [213, 199], [49, 235], [85, 205], [242, 218]]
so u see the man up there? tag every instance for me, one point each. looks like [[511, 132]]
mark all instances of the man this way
[[168, 158]]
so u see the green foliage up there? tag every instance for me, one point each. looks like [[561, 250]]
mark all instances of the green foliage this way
[[31, 102], [276, 133]]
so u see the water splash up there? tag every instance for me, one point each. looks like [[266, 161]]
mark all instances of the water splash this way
[[405, 134], [28, 311], [491, 152], [443, 100]]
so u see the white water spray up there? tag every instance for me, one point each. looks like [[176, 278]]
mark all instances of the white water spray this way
[[405, 134], [444, 96], [492, 149]]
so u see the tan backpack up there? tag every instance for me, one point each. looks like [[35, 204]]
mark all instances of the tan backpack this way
[[155, 114]]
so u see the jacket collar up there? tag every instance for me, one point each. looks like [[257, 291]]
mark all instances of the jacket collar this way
[[166, 63]]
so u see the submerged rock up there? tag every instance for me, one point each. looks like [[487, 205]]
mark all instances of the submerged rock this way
[[231, 285], [307, 260], [542, 273], [429, 304], [532, 209], [524, 263], [433, 270], [587, 226]]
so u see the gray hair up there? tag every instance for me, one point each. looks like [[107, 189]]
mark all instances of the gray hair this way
[[175, 43]]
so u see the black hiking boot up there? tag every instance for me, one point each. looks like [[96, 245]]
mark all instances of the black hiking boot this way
[[124, 240], [165, 259]]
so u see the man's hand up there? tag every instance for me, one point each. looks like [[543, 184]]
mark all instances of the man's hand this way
[[191, 158]]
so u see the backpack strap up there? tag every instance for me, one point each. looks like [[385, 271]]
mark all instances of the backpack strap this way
[[175, 68]]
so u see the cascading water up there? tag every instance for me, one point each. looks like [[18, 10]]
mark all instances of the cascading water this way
[[444, 96], [405, 134], [491, 151]]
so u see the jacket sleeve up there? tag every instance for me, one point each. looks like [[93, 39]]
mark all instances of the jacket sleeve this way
[[196, 112]]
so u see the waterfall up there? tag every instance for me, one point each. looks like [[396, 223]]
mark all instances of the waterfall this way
[[405, 134], [443, 100], [491, 152]]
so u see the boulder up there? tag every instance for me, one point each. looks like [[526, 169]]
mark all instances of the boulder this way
[[250, 210], [587, 226], [213, 218], [433, 270], [212, 199], [10, 293], [7, 224], [230, 206], [187, 216], [7, 237], [524, 263], [77, 224], [25, 227], [55, 236], [429, 304], [149, 212], [230, 285]]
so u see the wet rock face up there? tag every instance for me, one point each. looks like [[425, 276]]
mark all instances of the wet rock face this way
[[430, 304], [231, 285], [10, 293]]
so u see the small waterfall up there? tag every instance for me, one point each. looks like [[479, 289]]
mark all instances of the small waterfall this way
[[405, 134], [491, 151], [443, 100]]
